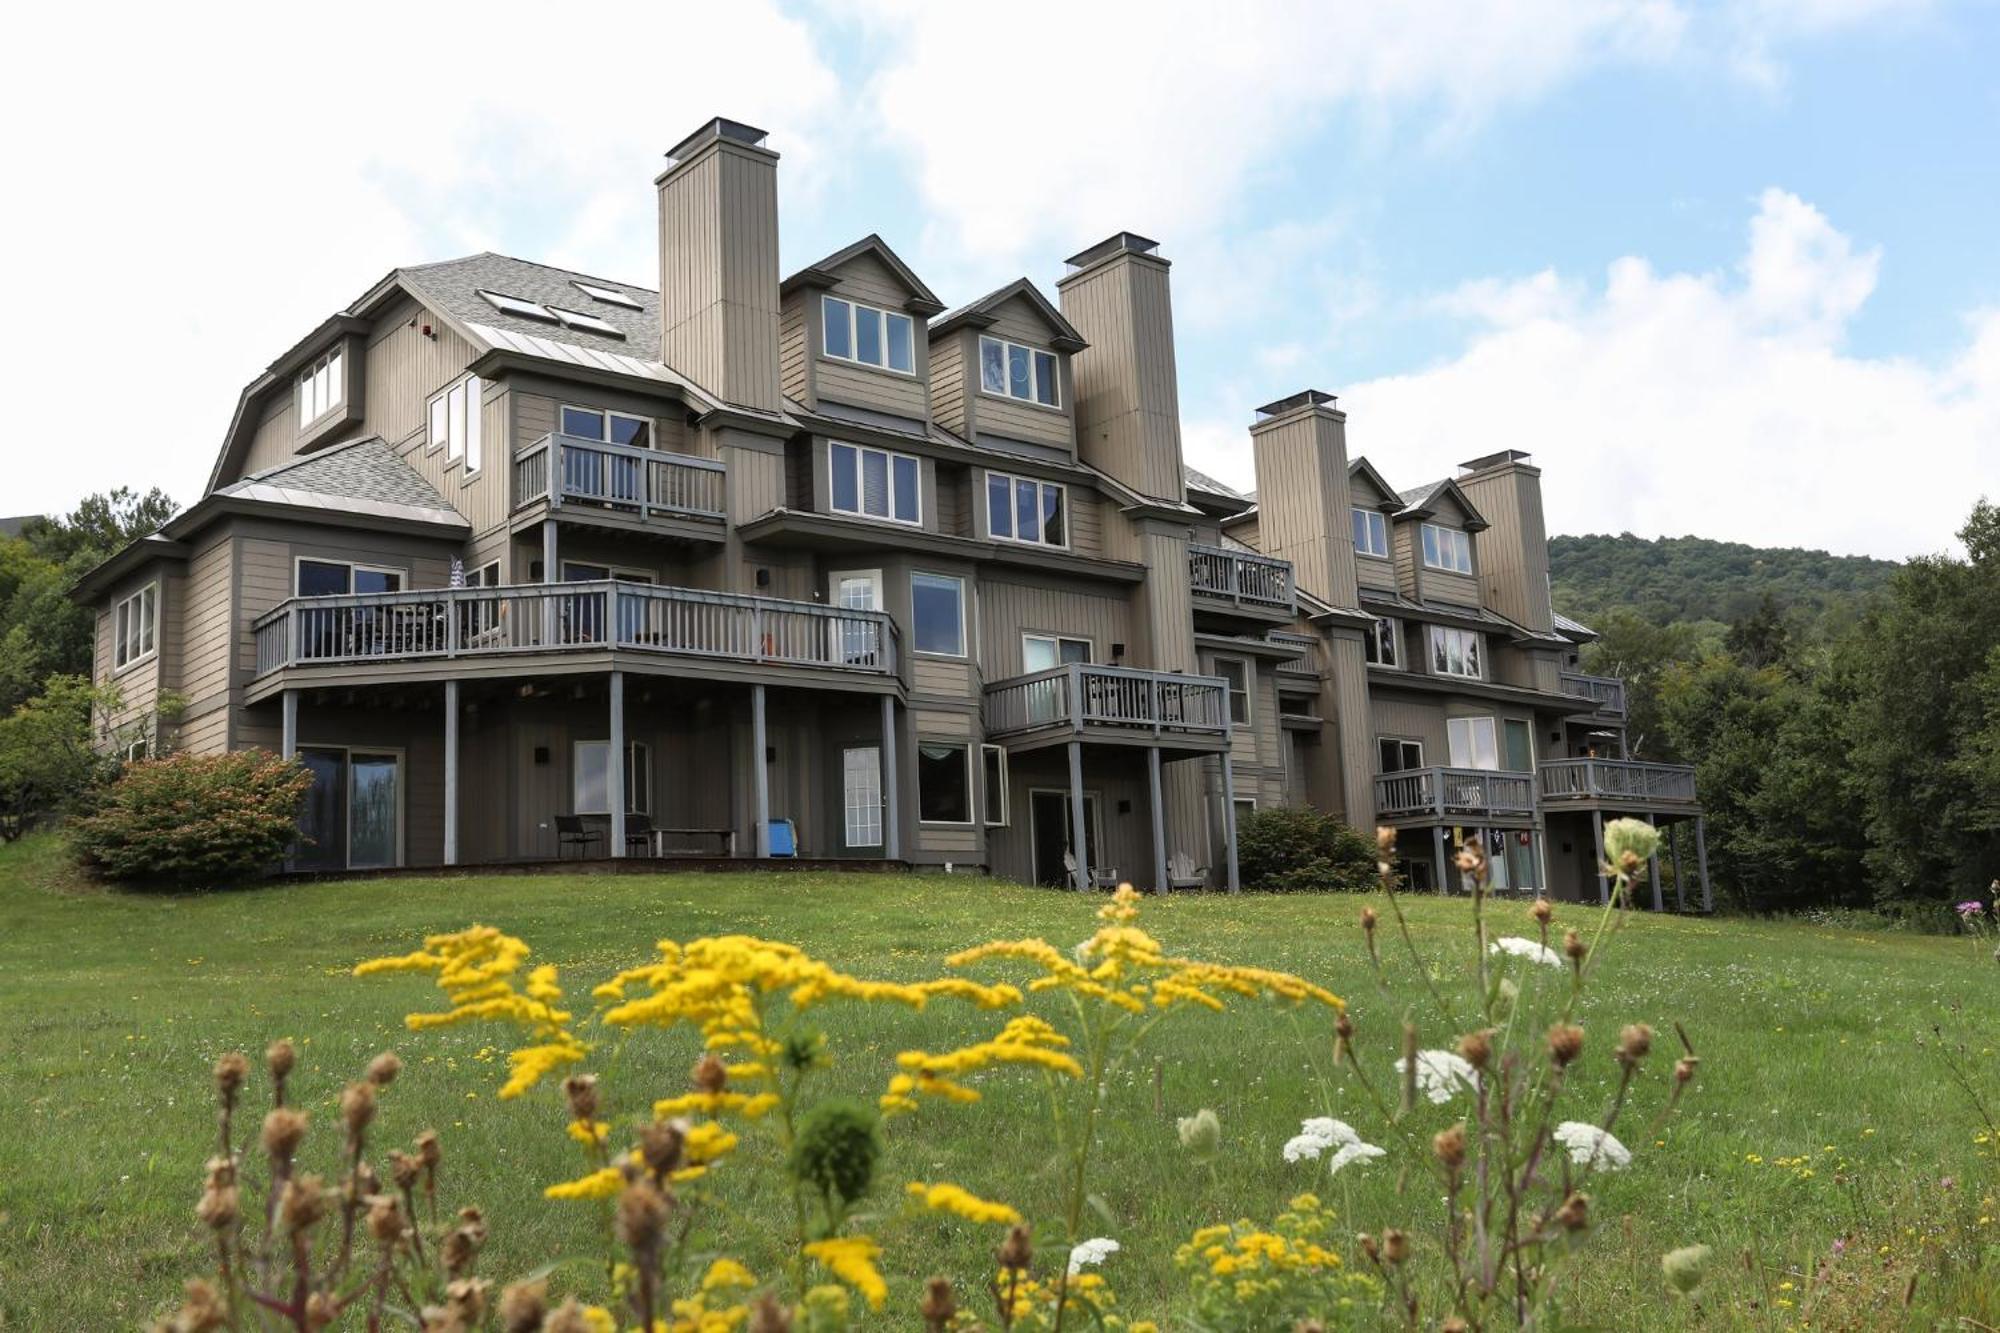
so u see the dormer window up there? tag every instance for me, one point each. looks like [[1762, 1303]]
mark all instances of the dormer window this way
[[322, 386], [1449, 549], [868, 336], [1012, 370], [1371, 533]]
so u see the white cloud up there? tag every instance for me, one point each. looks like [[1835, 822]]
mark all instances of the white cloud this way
[[194, 191]]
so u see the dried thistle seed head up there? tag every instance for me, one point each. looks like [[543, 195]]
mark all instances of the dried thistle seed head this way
[[363, 1181], [1634, 1042], [230, 1072], [429, 1151], [1684, 1068], [1309, 1326], [1574, 1213], [1471, 860], [1476, 1048], [569, 1317], [279, 1058], [357, 1108], [1574, 947], [284, 1131], [1542, 912], [461, 1247], [1018, 1250], [522, 1306], [382, 1070], [1368, 920], [321, 1310], [642, 1216], [710, 1074], [467, 1299], [581, 1089], [303, 1203], [404, 1168], [203, 1309], [1343, 1026], [1369, 1247], [1565, 1044], [219, 1207], [1385, 841], [1449, 1145], [385, 1218], [938, 1308], [1395, 1245], [766, 1316], [662, 1144]]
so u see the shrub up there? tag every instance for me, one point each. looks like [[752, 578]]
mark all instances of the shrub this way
[[50, 761], [194, 819], [1296, 849]]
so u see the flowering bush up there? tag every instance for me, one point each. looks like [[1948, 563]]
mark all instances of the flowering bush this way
[[194, 819], [1296, 849]]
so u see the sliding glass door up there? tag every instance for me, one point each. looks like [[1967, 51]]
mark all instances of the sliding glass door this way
[[353, 816]]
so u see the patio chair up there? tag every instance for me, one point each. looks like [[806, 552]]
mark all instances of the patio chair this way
[[571, 831], [638, 834], [1183, 873], [1101, 877]]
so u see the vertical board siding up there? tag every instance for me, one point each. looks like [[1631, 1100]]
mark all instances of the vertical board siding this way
[[1512, 555], [1127, 392], [1303, 501], [1007, 609]]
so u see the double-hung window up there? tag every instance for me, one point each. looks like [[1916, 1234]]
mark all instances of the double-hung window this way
[[1474, 742], [590, 778], [944, 782], [322, 386], [1237, 673], [867, 336], [1020, 509], [1449, 549], [874, 483], [1382, 643], [1012, 370], [455, 423], [937, 614], [1456, 652], [1371, 532], [133, 623]]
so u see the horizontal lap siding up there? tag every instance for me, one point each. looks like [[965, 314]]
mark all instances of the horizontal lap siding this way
[[794, 346], [948, 385], [1375, 574], [864, 386]]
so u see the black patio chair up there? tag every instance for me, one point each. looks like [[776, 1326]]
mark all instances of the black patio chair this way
[[571, 831]]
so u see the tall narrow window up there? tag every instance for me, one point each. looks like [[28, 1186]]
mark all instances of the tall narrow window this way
[[1371, 532], [1382, 643], [1236, 672], [322, 386], [132, 621], [455, 423], [1013, 370], [993, 775], [874, 483]]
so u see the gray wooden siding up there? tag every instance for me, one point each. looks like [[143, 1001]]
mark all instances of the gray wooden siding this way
[[794, 346], [949, 385], [1512, 555], [998, 414], [1128, 396], [718, 275], [1372, 573], [1010, 608]]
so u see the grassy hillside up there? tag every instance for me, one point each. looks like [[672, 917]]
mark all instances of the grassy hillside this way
[[1694, 579]]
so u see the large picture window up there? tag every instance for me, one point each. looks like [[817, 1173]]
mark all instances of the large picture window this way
[[1456, 652], [1449, 549], [1371, 532], [133, 624], [1012, 370], [1020, 509], [944, 782], [937, 613], [590, 778], [335, 578], [1396, 755], [875, 483], [589, 423], [868, 336]]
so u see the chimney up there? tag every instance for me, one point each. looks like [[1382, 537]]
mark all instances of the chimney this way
[[1514, 552], [1127, 397], [719, 263], [1300, 446]]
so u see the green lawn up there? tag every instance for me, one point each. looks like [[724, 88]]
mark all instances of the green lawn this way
[[115, 1006]]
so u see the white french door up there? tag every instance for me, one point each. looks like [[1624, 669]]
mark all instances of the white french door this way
[[861, 795]]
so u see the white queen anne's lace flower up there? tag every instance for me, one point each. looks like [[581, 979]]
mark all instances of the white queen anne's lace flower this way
[[1316, 1135], [1590, 1146], [1093, 1251], [1528, 949], [1350, 1153], [1441, 1075]]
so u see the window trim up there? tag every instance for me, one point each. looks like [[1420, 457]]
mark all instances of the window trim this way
[[605, 414], [1374, 522], [138, 749], [964, 747], [848, 809], [472, 576], [333, 356], [1249, 687], [353, 567], [1492, 721], [1463, 539], [1089, 646], [854, 335], [964, 647], [1375, 635], [469, 451], [148, 599], [1430, 656], [986, 790], [859, 511], [1034, 374], [633, 749], [1380, 740], [1014, 480], [629, 573]]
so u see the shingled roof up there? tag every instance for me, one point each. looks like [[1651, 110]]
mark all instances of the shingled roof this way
[[365, 476]]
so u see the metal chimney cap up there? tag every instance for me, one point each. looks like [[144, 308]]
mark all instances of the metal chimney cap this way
[[721, 127], [1292, 402], [1128, 241]]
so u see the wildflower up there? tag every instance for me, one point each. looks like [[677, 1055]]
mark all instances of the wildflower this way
[[1088, 1252], [1350, 1153], [382, 1070], [1526, 948], [938, 1309], [1542, 912], [948, 1198], [522, 1306], [1565, 1043], [202, 1310], [725, 1273], [385, 1218], [768, 1315], [1574, 1213], [581, 1091], [642, 1216], [852, 1260], [572, 1317], [1590, 1146], [1017, 1251], [279, 1057], [603, 1184], [1634, 1043], [1628, 842], [218, 1209], [1449, 1145], [1476, 1048], [303, 1203], [1316, 1135], [284, 1130], [1200, 1134], [357, 1108], [462, 1244], [1395, 1245], [1970, 908], [1441, 1074], [230, 1072], [1574, 948]]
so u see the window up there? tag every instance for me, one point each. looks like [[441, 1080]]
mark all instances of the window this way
[[486, 576], [1236, 671], [334, 578], [1246, 806], [590, 423], [1455, 652], [1383, 643], [1473, 742], [137, 749], [937, 613], [944, 783], [874, 483], [1447, 548], [455, 423], [1396, 755], [868, 336], [322, 386], [606, 295], [993, 765], [1045, 652], [1021, 510], [1371, 533], [1013, 371], [1517, 745], [132, 621], [590, 778], [861, 795]]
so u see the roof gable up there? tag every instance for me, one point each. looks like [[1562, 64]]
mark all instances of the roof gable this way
[[1442, 500], [922, 300], [981, 313], [1369, 488]]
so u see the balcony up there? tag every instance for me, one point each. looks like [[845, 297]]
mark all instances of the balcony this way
[[1441, 792], [1240, 581], [1301, 671], [548, 620], [645, 484], [1110, 703], [1606, 693], [1617, 782]]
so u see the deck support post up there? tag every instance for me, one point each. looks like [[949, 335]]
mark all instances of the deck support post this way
[[1597, 854], [1659, 904], [288, 734], [1160, 880], [892, 833], [551, 574], [1235, 880], [451, 772], [1701, 859], [1437, 858], [614, 768], [1079, 844], [1674, 849], [760, 771]]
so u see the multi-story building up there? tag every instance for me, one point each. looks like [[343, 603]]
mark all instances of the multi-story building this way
[[524, 563]]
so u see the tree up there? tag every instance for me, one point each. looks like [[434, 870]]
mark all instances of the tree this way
[[1641, 652], [1760, 639], [52, 760], [100, 525]]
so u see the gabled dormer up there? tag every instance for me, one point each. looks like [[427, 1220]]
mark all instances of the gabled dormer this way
[[851, 333], [1000, 372], [1373, 505], [1433, 547]]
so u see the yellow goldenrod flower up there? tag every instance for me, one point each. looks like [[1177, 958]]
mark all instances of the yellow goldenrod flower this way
[[727, 1272], [603, 1184], [947, 1198], [852, 1260]]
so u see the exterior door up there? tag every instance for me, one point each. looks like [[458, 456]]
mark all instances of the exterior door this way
[[374, 810], [1049, 814], [861, 796], [855, 642], [1517, 742], [323, 821]]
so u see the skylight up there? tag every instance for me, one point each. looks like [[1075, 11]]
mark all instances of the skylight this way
[[606, 295], [573, 320], [514, 305]]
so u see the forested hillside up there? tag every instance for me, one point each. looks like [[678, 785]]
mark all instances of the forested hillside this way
[[1695, 579]]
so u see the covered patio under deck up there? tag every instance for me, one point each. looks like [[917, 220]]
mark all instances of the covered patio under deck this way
[[1584, 794]]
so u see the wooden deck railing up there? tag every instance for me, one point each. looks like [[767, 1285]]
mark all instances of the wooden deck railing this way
[[1076, 696], [572, 617], [1242, 577], [1306, 663], [618, 476], [1607, 692], [1616, 779], [1451, 791]]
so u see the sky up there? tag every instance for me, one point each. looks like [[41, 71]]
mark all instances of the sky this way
[[1730, 270]]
